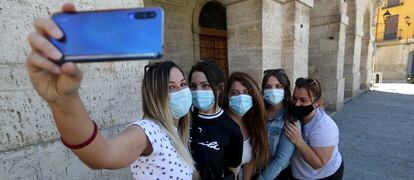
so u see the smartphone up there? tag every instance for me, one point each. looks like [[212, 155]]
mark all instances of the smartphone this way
[[110, 35]]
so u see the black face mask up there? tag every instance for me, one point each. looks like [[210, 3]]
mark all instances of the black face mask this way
[[301, 111]]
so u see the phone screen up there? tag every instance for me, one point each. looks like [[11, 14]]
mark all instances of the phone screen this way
[[110, 35]]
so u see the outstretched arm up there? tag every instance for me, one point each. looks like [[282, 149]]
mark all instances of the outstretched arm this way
[[59, 87]]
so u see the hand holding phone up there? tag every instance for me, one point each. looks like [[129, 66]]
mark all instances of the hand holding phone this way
[[56, 84], [110, 35]]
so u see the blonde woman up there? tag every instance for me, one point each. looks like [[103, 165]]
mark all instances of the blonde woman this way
[[155, 146]]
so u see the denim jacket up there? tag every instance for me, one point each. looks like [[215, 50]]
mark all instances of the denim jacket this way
[[280, 147]]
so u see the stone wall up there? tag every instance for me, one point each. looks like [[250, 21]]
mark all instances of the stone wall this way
[[296, 38], [179, 37], [29, 142], [268, 34], [341, 44], [359, 46], [367, 50], [245, 41], [326, 50], [391, 60], [273, 35], [354, 36]]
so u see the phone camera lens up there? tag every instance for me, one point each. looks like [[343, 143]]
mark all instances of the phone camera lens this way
[[151, 15], [145, 15], [138, 16]]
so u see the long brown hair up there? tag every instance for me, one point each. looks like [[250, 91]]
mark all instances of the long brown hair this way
[[214, 75], [281, 76], [155, 107], [255, 119], [283, 79]]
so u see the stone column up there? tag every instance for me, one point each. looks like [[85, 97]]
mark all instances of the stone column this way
[[352, 64], [367, 50], [296, 38], [272, 23], [366, 64], [326, 49], [264, 34], [354, 36], [244, 36]]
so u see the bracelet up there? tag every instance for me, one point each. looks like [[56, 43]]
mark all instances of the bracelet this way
[[86, 143]]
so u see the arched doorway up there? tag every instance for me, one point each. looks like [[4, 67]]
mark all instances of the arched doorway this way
[[213, 34]]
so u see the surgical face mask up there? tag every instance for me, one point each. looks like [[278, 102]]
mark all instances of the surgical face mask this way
[[273, 96], [301, 111], [240, 104], [203, 99], [180, 103]]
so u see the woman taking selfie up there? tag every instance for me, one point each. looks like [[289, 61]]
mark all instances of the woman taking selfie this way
[[277, 98], [216, 140], [244, 103], [317, 155], [155, 147]]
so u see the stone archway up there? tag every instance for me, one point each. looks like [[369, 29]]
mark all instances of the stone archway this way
[[210, 33], [326, 49], [366, 52]]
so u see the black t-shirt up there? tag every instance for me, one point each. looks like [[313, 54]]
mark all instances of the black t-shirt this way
[[216, 144]]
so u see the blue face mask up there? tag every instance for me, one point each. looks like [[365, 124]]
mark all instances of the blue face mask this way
[[180, 103], [203, 99], [273, 96], [240, 104]]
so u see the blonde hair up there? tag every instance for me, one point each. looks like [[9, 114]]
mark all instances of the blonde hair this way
[[155, 106]]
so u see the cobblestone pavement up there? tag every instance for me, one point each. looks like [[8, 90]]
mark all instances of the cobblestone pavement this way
[[377, 133]]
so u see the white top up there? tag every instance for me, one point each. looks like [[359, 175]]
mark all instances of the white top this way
[[247, 153], [163, 162], [320, 131]]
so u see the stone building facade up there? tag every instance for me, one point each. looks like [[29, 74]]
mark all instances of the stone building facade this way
[[394, 57], [326, 39], [394, 61]]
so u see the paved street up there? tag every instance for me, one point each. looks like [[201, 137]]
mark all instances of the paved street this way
[[377, 133]]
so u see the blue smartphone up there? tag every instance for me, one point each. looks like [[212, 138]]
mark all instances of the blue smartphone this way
[[110, 35]]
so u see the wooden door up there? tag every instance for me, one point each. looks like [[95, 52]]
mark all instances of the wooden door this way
[[213, 45]]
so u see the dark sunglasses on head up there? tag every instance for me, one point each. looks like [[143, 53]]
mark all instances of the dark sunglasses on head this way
[[307, 82]]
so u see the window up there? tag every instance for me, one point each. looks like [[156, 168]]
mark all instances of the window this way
[[392, 3], [391, 28]]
